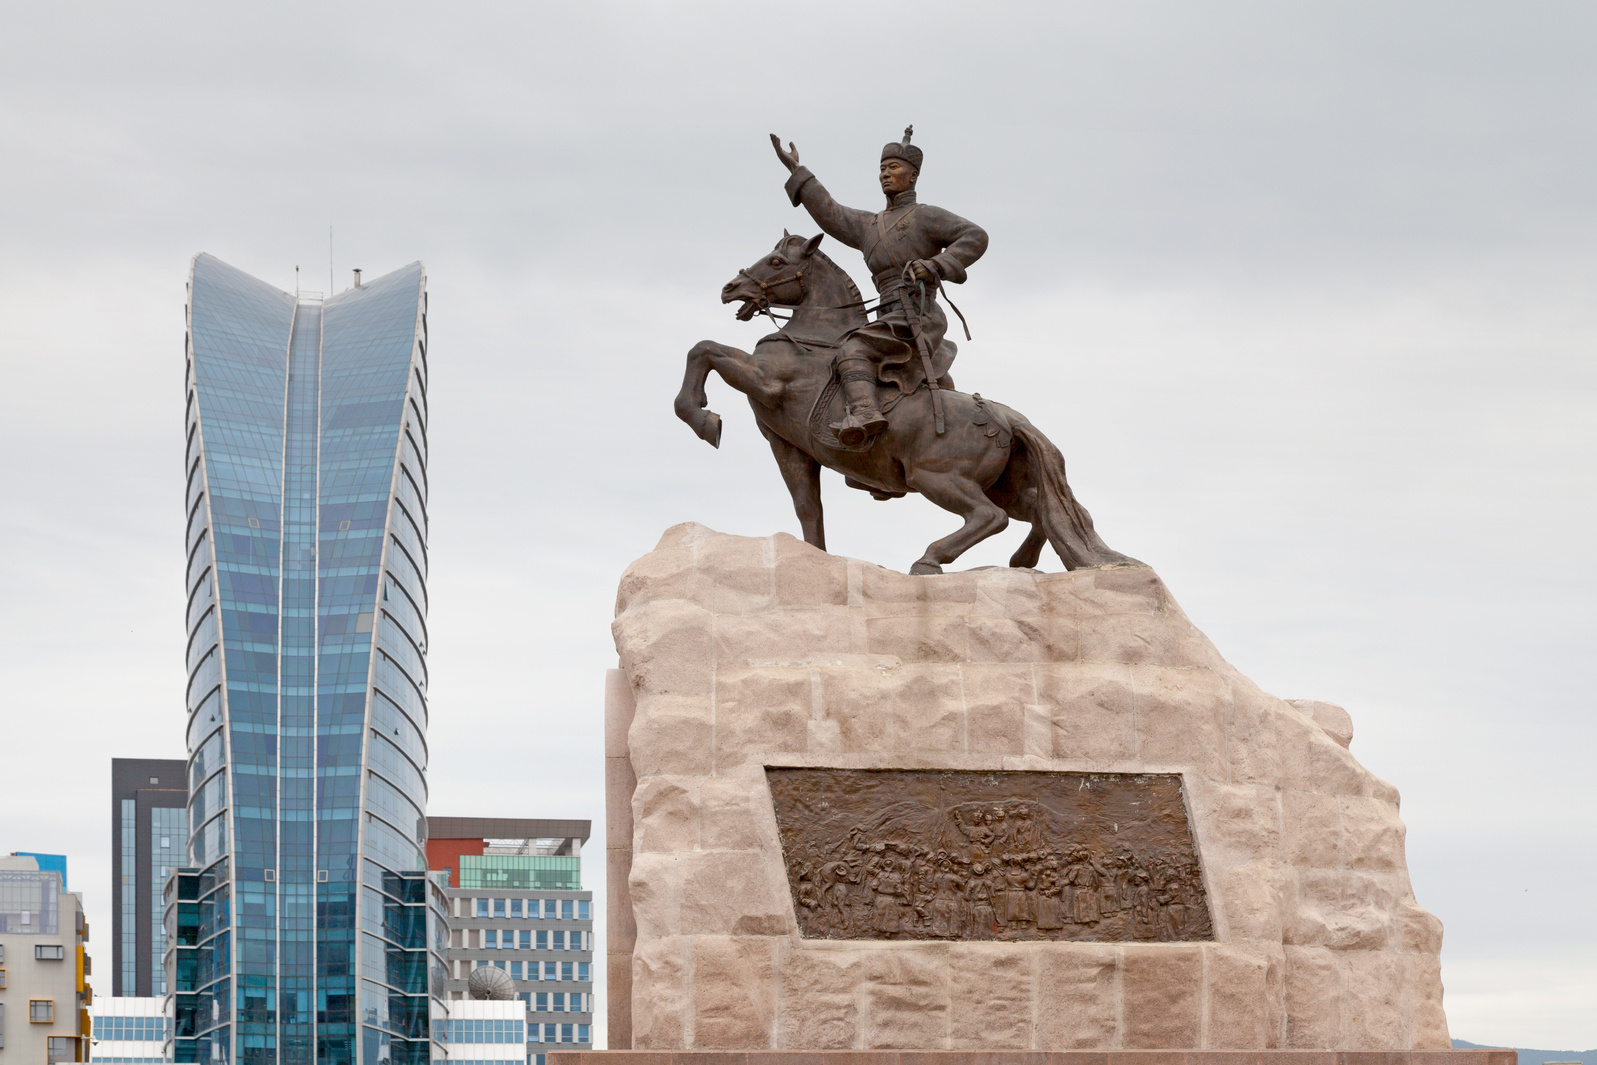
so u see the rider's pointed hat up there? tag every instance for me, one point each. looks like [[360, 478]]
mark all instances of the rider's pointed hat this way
[[903, 149]]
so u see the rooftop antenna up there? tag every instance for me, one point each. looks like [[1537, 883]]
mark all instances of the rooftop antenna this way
[[357, 277], [296, 281]]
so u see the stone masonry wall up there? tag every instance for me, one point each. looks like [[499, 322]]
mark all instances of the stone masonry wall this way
[[740, 653]]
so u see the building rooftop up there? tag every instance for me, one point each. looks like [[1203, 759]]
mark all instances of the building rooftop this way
[[499, 830]]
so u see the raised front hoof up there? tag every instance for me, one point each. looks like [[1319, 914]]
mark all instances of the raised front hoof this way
[[709, 428], [924, 568]]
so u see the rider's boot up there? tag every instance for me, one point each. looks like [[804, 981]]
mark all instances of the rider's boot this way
[[864, 418]]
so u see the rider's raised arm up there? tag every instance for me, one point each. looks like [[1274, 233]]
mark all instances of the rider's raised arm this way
[[844, 224], [963, 243]]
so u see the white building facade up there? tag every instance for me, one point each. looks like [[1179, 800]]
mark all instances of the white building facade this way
[[44, 997], [127, 1030]]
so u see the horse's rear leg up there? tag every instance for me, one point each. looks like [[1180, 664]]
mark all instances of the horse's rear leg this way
[[803, 477], [963, 496], [1030, 550]]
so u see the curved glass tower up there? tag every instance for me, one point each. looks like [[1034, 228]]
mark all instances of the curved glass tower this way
[[304, 930]]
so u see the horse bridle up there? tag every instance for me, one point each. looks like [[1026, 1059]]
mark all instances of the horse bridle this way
[[768, 288]]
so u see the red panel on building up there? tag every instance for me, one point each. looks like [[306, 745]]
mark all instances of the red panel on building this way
[[445, 854]]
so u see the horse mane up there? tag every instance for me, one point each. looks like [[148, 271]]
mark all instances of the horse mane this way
[[853, 289]]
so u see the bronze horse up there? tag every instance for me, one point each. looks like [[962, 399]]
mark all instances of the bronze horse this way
[[990, 464]]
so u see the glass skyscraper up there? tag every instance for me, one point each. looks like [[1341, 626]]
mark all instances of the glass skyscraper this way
[[303, 927]]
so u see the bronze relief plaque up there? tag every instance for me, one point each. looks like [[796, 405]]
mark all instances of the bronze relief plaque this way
[[954, 854]]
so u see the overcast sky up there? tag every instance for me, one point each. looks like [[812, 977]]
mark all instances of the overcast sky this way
[[1304, 292]]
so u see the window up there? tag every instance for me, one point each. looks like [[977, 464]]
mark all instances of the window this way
[[566, 1033], [543, 940], [515, 907], [499, 907], [582, 1033], [49, 952], [557, 1002], [61, 1048], [559, 941], [41, 1011], [499, 965], [551, 1033], [582, 909], [526, 939], [567, 908], [2, 979], [515, 970], [542, 1001], [565, 970], [490, 939], [482, 907], [582, 971]]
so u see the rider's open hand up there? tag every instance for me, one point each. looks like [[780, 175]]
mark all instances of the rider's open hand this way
[[790, 157]]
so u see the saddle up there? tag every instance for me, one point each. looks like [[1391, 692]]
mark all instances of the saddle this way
[[906, 380]]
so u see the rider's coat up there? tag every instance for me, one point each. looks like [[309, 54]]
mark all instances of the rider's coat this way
[[891, 240]]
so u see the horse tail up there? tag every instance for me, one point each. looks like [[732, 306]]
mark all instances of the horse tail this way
[[1066, 522]]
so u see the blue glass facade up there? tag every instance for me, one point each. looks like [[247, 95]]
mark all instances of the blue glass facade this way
[[303, 929]]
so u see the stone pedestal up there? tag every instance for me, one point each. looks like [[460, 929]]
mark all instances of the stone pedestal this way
[[741, 654]]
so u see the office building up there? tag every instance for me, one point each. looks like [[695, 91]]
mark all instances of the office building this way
[[149, 832], [487, 1032], [516, 903], [303, 929], [128, 1030], [44, 991]]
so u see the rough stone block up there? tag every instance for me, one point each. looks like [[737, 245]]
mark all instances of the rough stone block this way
[[990, 996], [666, 648], [789, 636], [995, 699], [928, 709], [1311, 824], [1240, 824], [1249, 722], [1162, 992], [660, 990], [854, 699], [1372, 834], [671, 737], [1334, 721], [1249, 898], [1178, 719], [1374, 1017], [1423, 1005], [919, 637], [906, 995], [1093, 707], [734, 992], [759, 711], [808, 576], [732, 892], [1077, 996], [1239, 996], [666, 815], [820, 997], [1314, 995]]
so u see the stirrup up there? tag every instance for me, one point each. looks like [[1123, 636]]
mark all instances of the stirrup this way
[[856, 429]]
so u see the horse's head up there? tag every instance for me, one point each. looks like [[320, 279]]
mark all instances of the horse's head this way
[[776, 280]]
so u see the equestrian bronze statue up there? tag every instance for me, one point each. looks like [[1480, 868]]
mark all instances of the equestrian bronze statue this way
[[873, 399]]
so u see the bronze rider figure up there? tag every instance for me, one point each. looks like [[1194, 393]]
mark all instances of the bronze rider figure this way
[[906, 243]]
